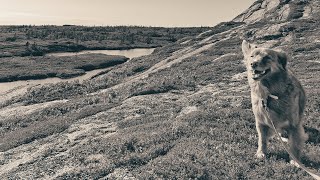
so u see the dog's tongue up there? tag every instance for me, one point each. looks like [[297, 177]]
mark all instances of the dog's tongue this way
[[255, 76]]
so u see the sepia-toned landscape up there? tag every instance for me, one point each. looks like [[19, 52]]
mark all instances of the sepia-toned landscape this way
[[181, 112]]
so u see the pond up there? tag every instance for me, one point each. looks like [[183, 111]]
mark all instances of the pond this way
[[130, 53], [8, 87]]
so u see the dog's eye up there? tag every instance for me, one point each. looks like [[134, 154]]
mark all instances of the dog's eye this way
[[265, 59], [251, 56]]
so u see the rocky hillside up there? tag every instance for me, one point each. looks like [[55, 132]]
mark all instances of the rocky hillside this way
[[183, 112]]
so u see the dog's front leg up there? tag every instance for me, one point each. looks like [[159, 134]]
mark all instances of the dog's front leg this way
[[262, 141]]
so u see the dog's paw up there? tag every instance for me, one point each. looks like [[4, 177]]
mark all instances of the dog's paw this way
[[293, 162], [260, 155], [283, 139]]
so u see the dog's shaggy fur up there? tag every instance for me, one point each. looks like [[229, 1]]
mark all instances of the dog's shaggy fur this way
[[276, 95]]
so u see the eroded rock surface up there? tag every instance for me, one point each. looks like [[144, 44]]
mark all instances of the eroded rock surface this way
[[182, 112]]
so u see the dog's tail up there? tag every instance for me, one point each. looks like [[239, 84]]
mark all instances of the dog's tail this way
[[304, 135]]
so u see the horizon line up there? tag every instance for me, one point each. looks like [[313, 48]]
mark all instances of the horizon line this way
[[66, 25]]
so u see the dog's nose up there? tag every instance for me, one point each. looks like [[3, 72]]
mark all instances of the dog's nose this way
[[254, 64]]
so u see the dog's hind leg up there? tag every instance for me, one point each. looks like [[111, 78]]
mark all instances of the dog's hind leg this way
[[297, 137], [263, 134], [296, 133]]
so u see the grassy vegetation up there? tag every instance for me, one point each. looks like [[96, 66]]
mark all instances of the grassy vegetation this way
[[216, 141], [38, 40], [40, 67], [189, 120], [23, 47]]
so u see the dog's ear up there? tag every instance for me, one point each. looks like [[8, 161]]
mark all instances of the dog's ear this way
[[282, 59], [246, 47]]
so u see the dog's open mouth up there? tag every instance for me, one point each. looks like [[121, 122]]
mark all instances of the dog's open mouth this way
[[259, 74]]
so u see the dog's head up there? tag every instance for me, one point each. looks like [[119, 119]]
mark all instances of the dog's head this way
[[261, 62]]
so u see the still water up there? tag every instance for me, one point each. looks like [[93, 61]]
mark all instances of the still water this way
[[131, 53]]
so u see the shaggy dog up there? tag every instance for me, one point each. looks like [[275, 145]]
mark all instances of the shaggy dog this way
[[276, 95]]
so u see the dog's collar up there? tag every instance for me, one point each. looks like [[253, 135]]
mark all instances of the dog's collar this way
[[264, 101], [273, 96]]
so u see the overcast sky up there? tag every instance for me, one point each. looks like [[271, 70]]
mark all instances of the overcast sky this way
[[168, 13]]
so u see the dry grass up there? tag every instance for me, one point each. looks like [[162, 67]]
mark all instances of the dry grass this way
[[192, 120], [24, 68]]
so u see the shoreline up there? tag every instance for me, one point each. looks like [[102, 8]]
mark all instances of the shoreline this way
[[67, 67], [120, 48]]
